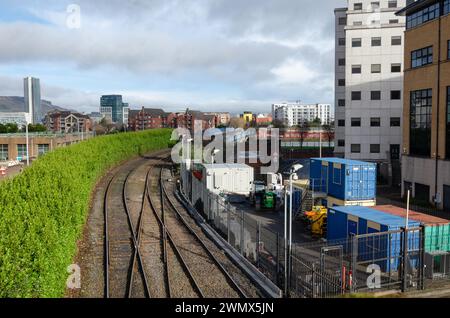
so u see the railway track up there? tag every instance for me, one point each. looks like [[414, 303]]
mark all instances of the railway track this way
[[125, 276], [152, 250]]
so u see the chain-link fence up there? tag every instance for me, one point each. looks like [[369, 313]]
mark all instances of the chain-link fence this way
[[399, 259]]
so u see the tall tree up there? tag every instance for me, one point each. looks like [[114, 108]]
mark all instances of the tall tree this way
[[303, 130]]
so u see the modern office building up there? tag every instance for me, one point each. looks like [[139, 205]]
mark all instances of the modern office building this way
[[14, 118], [293, 114], [32, 96], [426, 112], [112, 107], [369, 82]]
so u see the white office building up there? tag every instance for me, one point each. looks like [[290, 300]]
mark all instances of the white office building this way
[[292, 114], [369, 81]]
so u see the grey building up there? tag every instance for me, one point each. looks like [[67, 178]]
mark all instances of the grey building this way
[[32, 95], [113, 106]]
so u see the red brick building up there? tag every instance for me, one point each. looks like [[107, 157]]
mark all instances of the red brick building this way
[[148, 118]]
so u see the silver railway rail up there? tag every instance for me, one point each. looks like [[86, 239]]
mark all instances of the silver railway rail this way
[[226, 274]]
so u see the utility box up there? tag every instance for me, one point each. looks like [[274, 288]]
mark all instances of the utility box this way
[[229, 178], [343, 179]]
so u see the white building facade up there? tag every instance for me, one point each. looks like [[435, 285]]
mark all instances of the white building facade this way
[[292, 114], [369, 80]]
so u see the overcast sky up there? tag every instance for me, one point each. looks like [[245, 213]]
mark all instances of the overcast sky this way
[[230, 55]]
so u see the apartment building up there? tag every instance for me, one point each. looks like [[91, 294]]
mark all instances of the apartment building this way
[[67, 122], [369, 82], [150, 118], [426, 112], [293, 114]]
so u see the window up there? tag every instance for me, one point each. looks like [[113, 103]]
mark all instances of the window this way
[[341, 123], [427, 14], [43, 149], [396, 95], [356, 69], [356, 95], [22, 151], [358, 6], [422, 57], [392, 4], [337, 175], [341, 62], [375, 95], [393, 21], [341, 143], [375, 122], [341, 102], [341, 41], [446, 6], [376, 68], [421, 192], [396, 40], [375, 5], [395, 121], [420, 122], [356, 42], [342, 21], [376, 41], [355, 148], [396, 68], [3, 152], [341, 82], [375, 148], [356, 122], [448, 123], [448, 48]]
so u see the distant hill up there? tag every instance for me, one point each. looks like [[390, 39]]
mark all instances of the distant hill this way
[[11, 104]]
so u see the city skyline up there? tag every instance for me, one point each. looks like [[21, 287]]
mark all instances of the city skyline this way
[[236, 61]]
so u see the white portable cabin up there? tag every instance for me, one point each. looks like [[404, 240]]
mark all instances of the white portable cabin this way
[[228, 178]]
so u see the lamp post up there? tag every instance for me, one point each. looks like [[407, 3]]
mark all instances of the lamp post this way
[[27, 121], [288, 235]]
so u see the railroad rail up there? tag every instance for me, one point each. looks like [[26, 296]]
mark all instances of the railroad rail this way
[[151, 247]]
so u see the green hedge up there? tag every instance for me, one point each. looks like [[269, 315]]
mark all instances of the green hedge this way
[[43, 210]]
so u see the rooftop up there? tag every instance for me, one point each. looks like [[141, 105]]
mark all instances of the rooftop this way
[[375, 216], [343, 161]]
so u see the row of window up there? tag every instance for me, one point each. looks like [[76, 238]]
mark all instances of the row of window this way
[[360, 23], [374, 122], [427, 14], [374, 68], [424, 56], [374, 95], [375, 5], [21, 150], [374, 42], [356, 148]]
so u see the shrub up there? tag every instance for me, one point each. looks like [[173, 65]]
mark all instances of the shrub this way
[[43, 210]]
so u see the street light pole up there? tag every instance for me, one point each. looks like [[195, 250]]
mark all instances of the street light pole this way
[[28, 143], [288, 220]]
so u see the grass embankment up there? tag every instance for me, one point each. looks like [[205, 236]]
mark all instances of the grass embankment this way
[[43, 210]]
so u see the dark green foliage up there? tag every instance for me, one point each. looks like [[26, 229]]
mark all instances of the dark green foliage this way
[[43, 210]]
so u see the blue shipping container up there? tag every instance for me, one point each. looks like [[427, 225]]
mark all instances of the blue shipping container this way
[[385, 250], [344, 179]]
